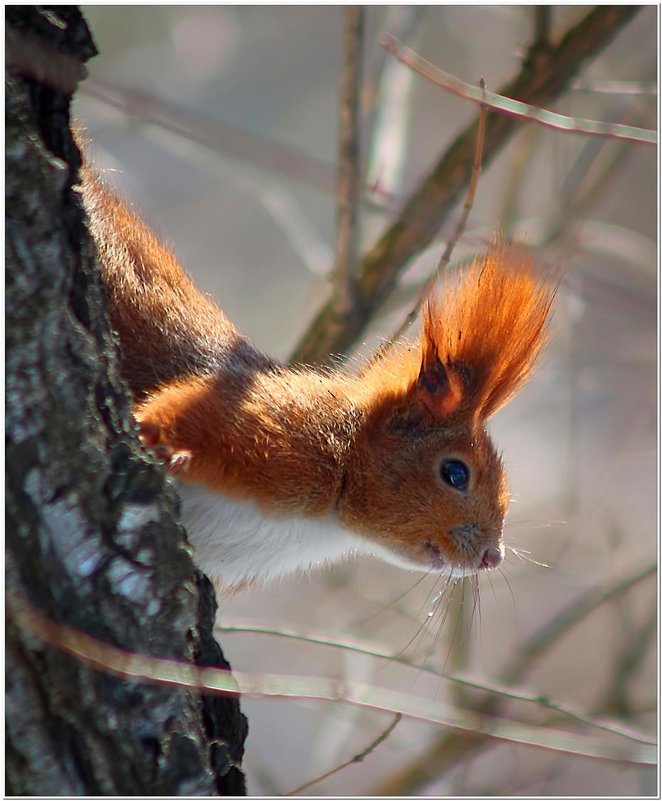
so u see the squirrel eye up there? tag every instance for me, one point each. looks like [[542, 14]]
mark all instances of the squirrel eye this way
[[455, 473]]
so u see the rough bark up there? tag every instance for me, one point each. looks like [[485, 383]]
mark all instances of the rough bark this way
[[92, 536]]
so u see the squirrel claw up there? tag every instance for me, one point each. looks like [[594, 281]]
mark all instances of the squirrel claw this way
[[179, 462], [175, 461]]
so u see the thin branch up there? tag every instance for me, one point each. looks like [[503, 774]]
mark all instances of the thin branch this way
[[113, 660], [448, 749], [349, 164], [356, 758], [500, 692], [434, 199], [515, 108]]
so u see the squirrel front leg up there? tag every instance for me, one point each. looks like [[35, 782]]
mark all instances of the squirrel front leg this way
[[172, 424]]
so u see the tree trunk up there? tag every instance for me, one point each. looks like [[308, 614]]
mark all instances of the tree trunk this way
[[92, 536]]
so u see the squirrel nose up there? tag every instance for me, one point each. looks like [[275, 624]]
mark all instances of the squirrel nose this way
[[491, 558]]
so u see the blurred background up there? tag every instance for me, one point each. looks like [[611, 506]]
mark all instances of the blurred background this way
[[219, 124]]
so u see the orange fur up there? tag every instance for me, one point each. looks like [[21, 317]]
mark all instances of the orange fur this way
[[367, 448], [488, 326], [154, 306]]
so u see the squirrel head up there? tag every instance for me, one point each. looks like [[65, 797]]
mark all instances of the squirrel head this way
[[425, 482]]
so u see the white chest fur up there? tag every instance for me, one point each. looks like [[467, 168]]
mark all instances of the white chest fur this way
[[235, 541]]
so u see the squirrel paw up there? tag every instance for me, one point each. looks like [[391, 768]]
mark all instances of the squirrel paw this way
[[176, 461]]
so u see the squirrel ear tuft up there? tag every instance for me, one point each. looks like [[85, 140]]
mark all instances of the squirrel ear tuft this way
[[483, 331], [439, 387]]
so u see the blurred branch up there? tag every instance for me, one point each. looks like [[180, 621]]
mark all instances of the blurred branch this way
[[429, 205], [559, 625], [515, 108], [542, 26], [517, 173], [451, 748], [113, 660], [349, 165], [461, 224], [577, 194], [222, 138], [628, 662], [402, 22], [473, 184], [598, 86], [353, 760], [386, 100], [297, 228], [629, 659]]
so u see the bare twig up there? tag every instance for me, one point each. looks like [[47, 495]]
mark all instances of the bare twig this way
[[429, 205], [498, 691], [515, 108], [349, 164], [353, 760]]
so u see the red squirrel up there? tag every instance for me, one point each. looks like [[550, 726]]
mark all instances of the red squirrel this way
[[282, 468]]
